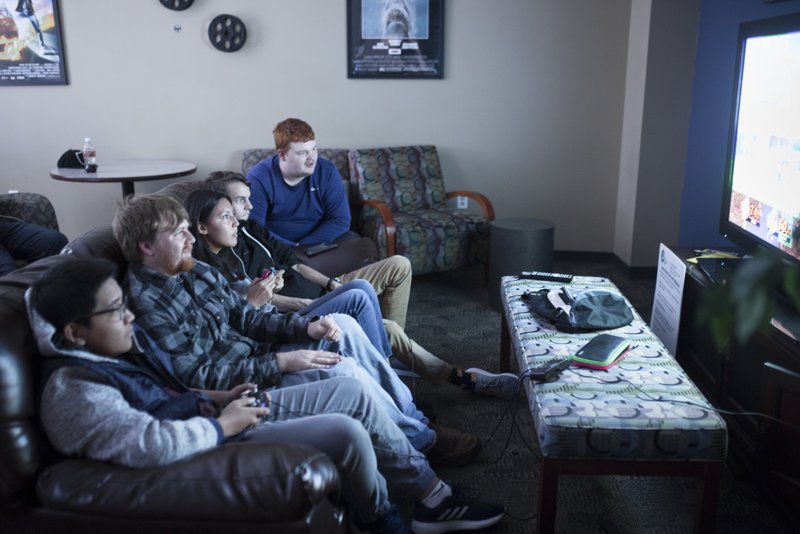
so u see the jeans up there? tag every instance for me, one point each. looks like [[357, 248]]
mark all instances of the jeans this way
[[398, 463], [358, 300], [25, 241], [391, 279], [340, 437], [364, 363]]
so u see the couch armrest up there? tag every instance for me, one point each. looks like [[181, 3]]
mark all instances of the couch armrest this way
[[388, 221], [482, 200], [245, 482]]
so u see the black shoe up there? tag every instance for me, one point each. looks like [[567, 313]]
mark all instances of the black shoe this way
[[455, 512], [389, 523], [452, 448]]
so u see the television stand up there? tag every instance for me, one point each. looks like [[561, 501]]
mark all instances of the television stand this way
[[762, 376]]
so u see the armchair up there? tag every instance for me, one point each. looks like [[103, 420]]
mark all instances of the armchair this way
[[29, 207], [405, 209]]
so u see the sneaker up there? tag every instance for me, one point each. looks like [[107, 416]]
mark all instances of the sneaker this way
[[503, 385], [452, 448], [455, 512], [389, 523]]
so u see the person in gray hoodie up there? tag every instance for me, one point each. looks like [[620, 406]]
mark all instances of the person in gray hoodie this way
[[105, 398]]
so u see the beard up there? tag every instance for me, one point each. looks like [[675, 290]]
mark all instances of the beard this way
[[185, 265]]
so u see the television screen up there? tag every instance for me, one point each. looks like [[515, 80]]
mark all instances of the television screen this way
[[761, 204]]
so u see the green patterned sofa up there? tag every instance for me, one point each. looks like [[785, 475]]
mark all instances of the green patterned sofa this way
[[397, 198]]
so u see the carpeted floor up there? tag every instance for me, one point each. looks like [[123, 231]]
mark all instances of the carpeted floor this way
[[449, 314]]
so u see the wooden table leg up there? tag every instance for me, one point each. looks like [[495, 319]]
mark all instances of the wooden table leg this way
[[505, 344], [548, 496], [708, 489]]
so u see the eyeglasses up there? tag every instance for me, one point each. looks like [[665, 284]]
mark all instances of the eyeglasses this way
[[119, 311]]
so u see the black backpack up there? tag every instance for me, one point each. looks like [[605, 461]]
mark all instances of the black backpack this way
[[584, 310]]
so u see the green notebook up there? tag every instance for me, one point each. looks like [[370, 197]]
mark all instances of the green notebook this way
[[602, 351]]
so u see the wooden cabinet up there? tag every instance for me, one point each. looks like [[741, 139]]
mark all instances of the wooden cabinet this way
[[763, 376]]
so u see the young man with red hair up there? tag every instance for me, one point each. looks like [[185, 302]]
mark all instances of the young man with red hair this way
[[297, 195]]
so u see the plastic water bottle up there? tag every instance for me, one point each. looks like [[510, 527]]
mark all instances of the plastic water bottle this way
[[89, 155]]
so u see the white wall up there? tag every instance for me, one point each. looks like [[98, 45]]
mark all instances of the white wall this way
[[529, 111]]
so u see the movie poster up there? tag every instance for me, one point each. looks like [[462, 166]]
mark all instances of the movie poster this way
[[31, 48], [395, 38]]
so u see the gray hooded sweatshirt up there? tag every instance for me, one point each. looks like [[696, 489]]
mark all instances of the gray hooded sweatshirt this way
[[84, 415]]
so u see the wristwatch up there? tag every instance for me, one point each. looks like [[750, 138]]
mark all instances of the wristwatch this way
[[336, 279]]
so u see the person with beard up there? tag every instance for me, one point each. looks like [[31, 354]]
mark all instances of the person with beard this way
[[216, 340], [302, 288], [107, 394]]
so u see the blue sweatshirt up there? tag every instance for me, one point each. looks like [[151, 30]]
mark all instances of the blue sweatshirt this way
[[313, 211]]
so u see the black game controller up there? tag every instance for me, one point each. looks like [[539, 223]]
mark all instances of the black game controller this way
[[262, 398], [550, 371]]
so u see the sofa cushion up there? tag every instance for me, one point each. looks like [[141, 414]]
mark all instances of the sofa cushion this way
[[405, 178], [99, 243], [240, 482], [180, 190], [434, 240]]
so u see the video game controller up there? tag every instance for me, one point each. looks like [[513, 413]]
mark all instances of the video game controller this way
[[262, 398], [269, 271]]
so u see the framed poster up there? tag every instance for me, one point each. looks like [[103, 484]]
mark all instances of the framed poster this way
[[395, 38], [31, 48]]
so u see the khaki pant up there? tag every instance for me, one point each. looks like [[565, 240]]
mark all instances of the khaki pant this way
[[391, 279], [413, 356]]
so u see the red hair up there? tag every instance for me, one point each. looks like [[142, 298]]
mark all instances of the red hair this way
[[291, 131]]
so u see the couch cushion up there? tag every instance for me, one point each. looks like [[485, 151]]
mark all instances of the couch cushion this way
[[241, 482], [434, 240], [99, 243], [180, 190], [405, 178]]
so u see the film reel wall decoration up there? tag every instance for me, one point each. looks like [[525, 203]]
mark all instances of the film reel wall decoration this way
[[227, 33], [177, 5]]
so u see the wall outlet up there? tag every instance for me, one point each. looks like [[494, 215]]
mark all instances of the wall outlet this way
[[462, 203]]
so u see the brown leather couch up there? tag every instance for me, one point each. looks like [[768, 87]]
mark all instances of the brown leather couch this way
[[234, 488]]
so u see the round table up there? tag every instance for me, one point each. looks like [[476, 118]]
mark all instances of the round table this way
[[516, 245], [126, 171]]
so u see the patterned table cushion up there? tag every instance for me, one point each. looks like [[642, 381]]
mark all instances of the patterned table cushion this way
[[645, 407]]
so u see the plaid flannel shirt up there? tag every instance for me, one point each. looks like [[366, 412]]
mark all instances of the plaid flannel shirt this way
[[215, 339]]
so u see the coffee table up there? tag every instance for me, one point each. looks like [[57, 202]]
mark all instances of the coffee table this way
[[643, 416], [126, 171]]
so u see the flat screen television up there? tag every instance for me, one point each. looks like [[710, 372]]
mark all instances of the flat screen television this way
[[761, 197]]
